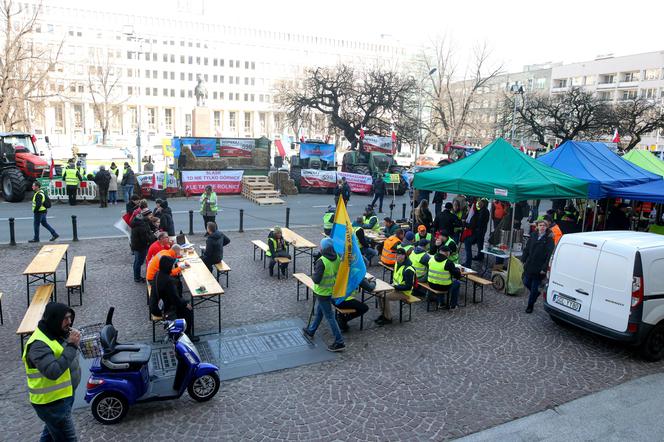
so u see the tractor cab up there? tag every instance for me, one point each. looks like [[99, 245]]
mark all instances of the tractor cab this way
[[20, 164]]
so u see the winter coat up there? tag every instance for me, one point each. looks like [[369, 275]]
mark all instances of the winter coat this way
[[319, 267], [113, 183], [128, 177], [379, 186], [166, 219], [479, 222], [537, 253], [141, 235], [165, 290], [103, 179], [446, 221], [423, 217], [214, 247]]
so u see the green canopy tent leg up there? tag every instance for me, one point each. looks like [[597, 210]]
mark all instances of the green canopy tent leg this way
[[509, 260]]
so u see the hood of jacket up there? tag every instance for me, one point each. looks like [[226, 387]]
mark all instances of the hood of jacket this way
[[439, 257], [166, 209], [166, 264], [419, 249], [329, 253], [216, 235], [51, 322]]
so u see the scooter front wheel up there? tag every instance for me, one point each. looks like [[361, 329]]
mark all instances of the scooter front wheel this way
[[109, 408], [203, 388]]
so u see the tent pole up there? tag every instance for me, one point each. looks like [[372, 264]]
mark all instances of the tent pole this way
[[606, 213], [594, 216], [509, 260], [583, 222]]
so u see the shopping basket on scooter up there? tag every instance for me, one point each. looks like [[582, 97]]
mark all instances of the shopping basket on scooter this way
[[90, 341]]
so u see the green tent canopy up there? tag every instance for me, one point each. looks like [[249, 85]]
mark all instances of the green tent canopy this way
[[499, 171], [645, 160]]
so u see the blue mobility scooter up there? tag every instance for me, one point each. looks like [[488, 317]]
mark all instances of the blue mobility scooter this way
[[121, 376]]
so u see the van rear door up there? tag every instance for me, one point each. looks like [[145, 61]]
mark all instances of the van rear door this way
[[573, 275], [613, 287]]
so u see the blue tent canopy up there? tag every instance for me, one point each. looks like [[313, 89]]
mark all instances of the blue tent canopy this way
[[595, 163], [652, 192]]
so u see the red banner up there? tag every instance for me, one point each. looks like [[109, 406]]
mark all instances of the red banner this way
[[323, 179], [237, 147], [373, 143], [222, 181], [357, 183]]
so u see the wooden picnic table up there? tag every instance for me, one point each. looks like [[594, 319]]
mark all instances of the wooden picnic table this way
[[43, 267], [374, 236], [301, 246], [202, 284], [382, 289]]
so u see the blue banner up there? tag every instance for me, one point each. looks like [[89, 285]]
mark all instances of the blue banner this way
[[324, 151], [200, 147]]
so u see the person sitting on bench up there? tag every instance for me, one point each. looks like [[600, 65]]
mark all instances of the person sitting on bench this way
[[214, 246], [404, 279], [164, 299], [277, 245], [441, 272], [351, 303]]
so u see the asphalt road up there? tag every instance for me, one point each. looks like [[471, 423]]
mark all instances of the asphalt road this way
[[94, 222]]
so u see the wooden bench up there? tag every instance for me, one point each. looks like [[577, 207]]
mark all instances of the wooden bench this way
[[303, 279], [75, 280], [431, 291], [153, 318], [386, 268], [409, 302], [478, 281], [260, 245], [35, 311], [222, 268], [282, 260]]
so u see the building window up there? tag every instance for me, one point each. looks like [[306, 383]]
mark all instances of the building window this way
[[205, 61], [215, 62], [230, 79], [165, 58], [217, 120], [246, 65], [172, 58], [189, 94], [130, 90], [650, 93], [152, 118], [147, 74], [652, 74], [262, 118], [168, 119], [221, 62], [221, 79], [155, 75], [221, 95], [247, 122], [154, 91], [628, 95], [253, 65], [237, 96], [237, 80], [190, 60], [182, 59], [540, 83], [164, 75], [230, 96], [164, 92], [198, 60], [214, 95], [251, 97], [172, 75], [172, 92], [181, 76], [232, 121], [181, 93], [631, 76], [190, 76], [59, 116], [246, 97], [253, 81], [133, 118], [246, 81], [147, 91], [230, 63]]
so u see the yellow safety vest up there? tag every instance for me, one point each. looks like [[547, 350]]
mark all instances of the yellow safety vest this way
[[367, 220], [454, 257], [275, 245], [326, 285], [419, 238], [70, 177], [398, 277], [420, 269], [43, 390], [34, 201], [212, 200], [328, 220], [438, 274]]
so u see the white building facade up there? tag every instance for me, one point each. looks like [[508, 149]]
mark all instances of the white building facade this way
[[156, 60]]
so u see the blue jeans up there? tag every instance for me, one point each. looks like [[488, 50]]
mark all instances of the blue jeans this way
[[369, 253], [532, 283], [56, 416], [112, 196], [139, 259], [40, 218], [454, 293], [324, 308], [128, 192], [379, 198]]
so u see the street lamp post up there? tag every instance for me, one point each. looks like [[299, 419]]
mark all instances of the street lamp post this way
[[420, 105], [129, 32], [516, 89]]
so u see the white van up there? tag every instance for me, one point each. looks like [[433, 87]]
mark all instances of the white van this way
[[611, 283]]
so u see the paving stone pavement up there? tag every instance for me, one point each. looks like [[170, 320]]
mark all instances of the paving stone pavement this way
[[444, 375]]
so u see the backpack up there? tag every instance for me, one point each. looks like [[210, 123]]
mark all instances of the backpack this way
[[47, 201]]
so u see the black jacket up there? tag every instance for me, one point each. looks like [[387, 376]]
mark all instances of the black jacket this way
[[424, 217], [537, 253], [165, 290], [39, 200], [617, 220], [281, 244], [166, 219], [141, 235], [103, 179], [479, 222], [128, 178], [214, 247], [446, 221], [379, 186]]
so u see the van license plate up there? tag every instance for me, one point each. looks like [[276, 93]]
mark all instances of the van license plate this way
[[566, 302]]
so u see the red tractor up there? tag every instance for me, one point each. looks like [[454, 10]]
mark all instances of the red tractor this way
[[20, 164]]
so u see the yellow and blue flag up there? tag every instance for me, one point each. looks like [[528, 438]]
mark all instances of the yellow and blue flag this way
[[352, 268]]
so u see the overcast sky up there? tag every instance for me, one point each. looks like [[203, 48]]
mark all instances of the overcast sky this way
[[518, 31]]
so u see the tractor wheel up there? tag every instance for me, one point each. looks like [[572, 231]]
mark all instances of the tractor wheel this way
[[296, 174], [13, 185], [362, 170]]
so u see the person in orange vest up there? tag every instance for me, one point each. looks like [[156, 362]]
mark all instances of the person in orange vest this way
[[555, 230], [388, 254], [153, 266]]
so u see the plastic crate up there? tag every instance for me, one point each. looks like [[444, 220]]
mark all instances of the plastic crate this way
[[90, 341]]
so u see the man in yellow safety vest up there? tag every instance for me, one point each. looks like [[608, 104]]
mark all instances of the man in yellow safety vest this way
[[72, 178], [324, 277], [403, 280], [443, 275], [328, 220], [51, 365]]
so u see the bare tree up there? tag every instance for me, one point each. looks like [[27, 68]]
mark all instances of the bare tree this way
[[375, 99], [24, 67], [453, 92], [104, 84], [568, 116], [634, 118]]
